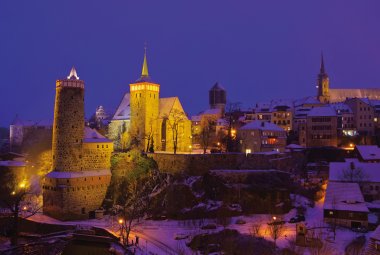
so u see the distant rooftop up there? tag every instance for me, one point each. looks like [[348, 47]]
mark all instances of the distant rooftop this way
[[261, 125], [344, 196], [325, 111]]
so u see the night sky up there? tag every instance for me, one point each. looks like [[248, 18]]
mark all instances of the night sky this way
[[258, 50]]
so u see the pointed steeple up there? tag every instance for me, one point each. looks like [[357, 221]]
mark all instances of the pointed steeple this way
[[73, 74], [144, 71], [322, 68]]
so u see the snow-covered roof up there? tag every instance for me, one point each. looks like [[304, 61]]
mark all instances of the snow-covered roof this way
[[376, 233], [294, 146], [368, 152], [166, 105], [325, 111], [339, 95], [211, 112], [196, 118], [341, 108], [261, 125], [123, 112], [29, 123], [306, 100], [93, 136], [221, 122], [81, 174], [344, 196], [12, 163], [354, 171]]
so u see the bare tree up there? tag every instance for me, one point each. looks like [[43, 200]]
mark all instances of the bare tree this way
[[254, 230], [137, 202], [276, 229], [353, 174], [207, 126], [18, 194], [318, 246], [174, 120], [231, 109]]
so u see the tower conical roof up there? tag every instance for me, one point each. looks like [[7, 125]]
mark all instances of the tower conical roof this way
[[217, 86], [73, 74], [322, 68], [144, 72]]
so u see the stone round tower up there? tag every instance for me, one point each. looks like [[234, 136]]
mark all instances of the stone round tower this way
[[77, 184], [217, 97], [68, 125]]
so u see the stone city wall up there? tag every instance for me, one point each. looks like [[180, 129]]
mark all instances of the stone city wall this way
[[198, 164], [74, 198]]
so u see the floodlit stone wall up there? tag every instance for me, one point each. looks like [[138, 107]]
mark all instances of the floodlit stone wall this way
[[74, 198], [198, 164], [68, 125], [97, 155]]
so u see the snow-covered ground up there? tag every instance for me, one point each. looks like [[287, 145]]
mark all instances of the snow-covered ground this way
[[158, 237]]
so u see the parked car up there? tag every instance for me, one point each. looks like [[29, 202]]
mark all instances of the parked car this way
[[360, 229], [297, 218], [181, 236]]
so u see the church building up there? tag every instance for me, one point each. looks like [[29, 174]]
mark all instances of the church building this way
[[152, 123], [328, 95]]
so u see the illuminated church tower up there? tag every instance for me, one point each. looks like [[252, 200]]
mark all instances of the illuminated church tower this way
[[145, 105], [323, 84], [78, 182]]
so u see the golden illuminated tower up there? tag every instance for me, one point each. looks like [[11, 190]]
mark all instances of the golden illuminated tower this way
[[323, 84], [68, 127], [144, 101], [77, 184]]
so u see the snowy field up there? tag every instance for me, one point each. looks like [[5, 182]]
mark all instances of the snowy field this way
[[158, 237]]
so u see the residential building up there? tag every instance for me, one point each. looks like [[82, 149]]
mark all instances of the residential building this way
[[363, 115], [344, 205], [367, 175], [321, 127], [261, 136]]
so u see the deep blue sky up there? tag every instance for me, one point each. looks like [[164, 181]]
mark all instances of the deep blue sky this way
[[258, 50]]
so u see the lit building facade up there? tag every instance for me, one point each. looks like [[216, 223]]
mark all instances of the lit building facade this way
[[321, 127], [78, 182], [261, 136], [154, 123]]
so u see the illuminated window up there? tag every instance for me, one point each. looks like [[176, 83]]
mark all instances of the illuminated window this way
[[331, 212]]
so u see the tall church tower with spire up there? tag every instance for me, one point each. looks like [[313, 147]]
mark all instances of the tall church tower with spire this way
[[144, 105], [323, 84]]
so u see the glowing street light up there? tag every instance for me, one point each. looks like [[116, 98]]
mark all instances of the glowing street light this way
[[121, 221], [13, 193], [22, 185], [274, 218]]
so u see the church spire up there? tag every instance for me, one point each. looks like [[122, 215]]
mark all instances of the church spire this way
[[322, 69], [144, 72]]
